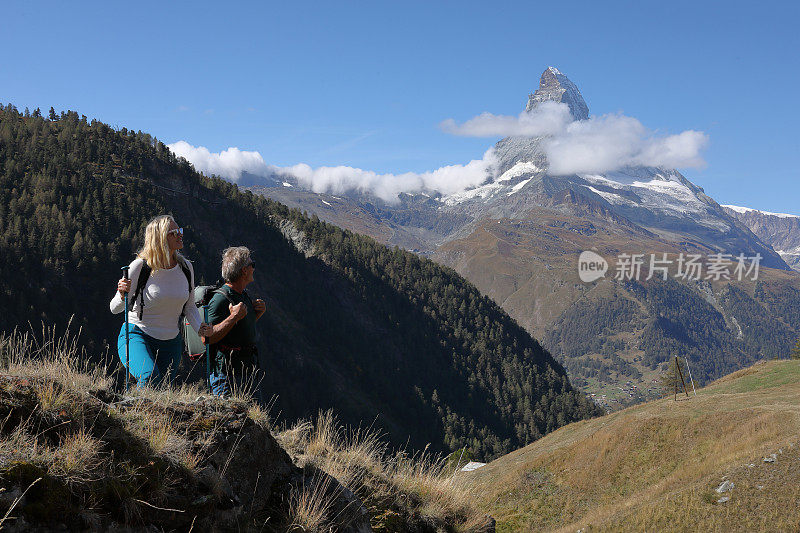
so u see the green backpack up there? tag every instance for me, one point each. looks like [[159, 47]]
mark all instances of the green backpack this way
[[192, 343]]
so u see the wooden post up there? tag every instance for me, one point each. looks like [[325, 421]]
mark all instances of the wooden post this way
[[675, 380], [680, 373]]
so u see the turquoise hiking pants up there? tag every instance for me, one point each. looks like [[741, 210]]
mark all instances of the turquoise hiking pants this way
[[150, 359]]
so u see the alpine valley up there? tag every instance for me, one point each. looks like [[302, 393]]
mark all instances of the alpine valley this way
[[518, 235]]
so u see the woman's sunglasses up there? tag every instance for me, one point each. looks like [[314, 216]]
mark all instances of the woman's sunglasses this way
[[177, 231]]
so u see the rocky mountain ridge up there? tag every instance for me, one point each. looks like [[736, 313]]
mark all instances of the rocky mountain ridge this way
[[80, 454], [556, 87], [779, 230]]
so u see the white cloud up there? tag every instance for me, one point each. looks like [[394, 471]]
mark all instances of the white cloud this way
[[338, 180], [229, 163], [611, 142], [548, 118], [599, 144], [232, 162]]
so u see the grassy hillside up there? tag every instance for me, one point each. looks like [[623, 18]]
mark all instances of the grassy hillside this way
[[379, 335], [656, 466]]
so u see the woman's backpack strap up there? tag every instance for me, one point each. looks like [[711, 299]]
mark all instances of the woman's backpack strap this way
[[186, 272], [144, 275]]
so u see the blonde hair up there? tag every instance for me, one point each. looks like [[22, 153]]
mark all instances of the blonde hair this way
[[156, 248]]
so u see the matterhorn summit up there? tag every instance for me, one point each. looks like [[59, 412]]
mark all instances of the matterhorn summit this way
[[556, 87]]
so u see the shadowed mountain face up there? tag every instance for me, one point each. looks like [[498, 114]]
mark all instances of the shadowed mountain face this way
[[781, 231], [518, 235]]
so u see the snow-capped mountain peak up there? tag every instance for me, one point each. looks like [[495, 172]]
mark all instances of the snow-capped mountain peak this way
[[655, 202]]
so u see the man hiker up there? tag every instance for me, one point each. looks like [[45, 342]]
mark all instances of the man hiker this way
[[233, 317]]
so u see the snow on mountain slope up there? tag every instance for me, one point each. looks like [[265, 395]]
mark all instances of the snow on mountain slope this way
[[508, 183], [743, 210], [659, 191]]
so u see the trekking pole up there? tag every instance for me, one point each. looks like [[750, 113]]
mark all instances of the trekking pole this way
[[127, 333], [208, 351]]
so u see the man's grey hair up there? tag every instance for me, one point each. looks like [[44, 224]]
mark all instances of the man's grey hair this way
[[234, 259]]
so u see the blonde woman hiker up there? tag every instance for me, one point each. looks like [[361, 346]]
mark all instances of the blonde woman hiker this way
[[161, 282]]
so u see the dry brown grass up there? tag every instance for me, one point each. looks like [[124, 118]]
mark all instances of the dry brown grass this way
[[162, 434], [243, 388], [295, 439], [390, 485], [310, 504], [91, 446], [54, 356], [654, 466], [18, 444], [77, 457], [56, 429]]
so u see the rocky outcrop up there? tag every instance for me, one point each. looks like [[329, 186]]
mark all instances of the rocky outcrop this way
[[297, 238], [98, 461]]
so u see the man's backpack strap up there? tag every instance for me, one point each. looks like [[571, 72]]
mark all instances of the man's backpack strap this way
[[224, 295]]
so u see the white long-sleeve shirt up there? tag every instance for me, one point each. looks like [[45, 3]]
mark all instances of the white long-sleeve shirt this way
[[166, 295]]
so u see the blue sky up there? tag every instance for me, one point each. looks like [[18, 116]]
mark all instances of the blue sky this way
[[367, 84]]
